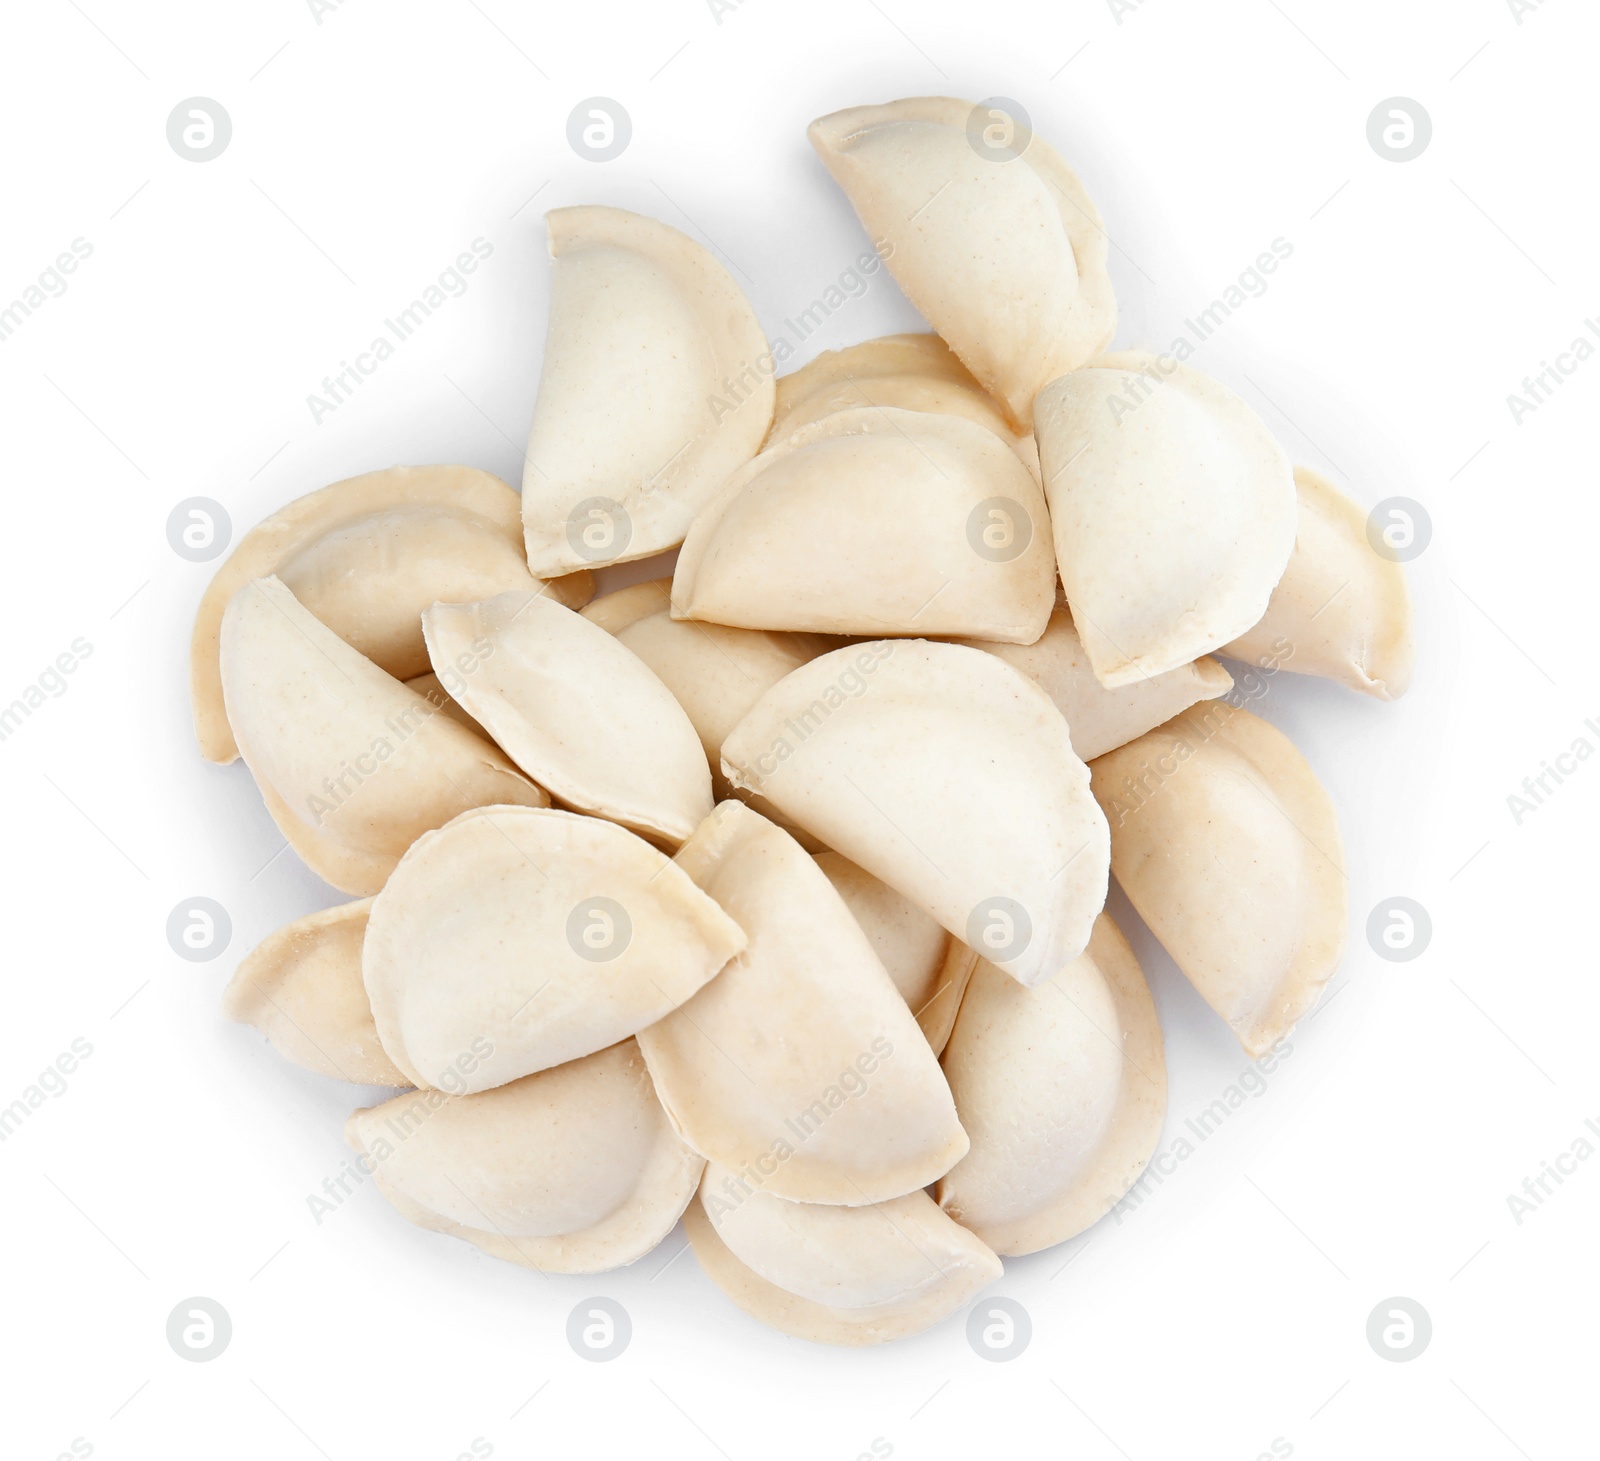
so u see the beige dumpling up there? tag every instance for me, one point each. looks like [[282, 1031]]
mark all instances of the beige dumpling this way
[[544, 934], [836, 1275], [1228, 847], [716, 673], [875, 521], [433, 691], [908, 372], [799, 1061], [366, 556], [301, 987], [1340, 610], [352, 765], [1004, 256], [929, 967], [616, 610], [1062, 1089], [657, 383], [949, 775], [1173, 509], [576, 709], [573, 1170], [1099, 719]]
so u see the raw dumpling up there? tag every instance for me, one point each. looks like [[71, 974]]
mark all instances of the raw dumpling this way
[[575, 709], [614, 611], [573, 1170], [353, 766], [1228, 847], [908, 372], [366, 556], [1062, 1089], [875, 521], [1099, 719], [657, 383], [1173, 510], [301, 987], [429, 687], [1002, 251], [1340, 610], [929, 967], [716, 673], [546, 935], [799, 1061], [836, 1275], [949, 775]]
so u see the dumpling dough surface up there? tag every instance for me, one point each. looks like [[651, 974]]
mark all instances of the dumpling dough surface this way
[[546, 934], [799, 1061], [1229, 848], [1341, 610], [1001, 250], [573, 1170], [632, 429], [1062, 1088], [365, 557], [875, 521], [574, 708], [950, 776], [352, 765], [1173, 509]]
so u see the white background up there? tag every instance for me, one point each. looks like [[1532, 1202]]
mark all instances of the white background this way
[[1230, 1309]]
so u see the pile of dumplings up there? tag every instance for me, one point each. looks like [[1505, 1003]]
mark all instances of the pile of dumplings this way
[[771, 895]]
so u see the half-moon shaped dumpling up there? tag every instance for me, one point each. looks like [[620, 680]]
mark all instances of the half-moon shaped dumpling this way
[[800, 1060], [366, 556], [301, 987], [657, 383], [1340, 610], [1228, 847], [353, 766], [1173, 510], [875, 521], [1062, 1089], [949, 775], [1000, 248], [1099, 719], [929, 967], [908, 372], [573, 1170], [836, 1275], [544, 934], [574, 708], [716, 673]]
